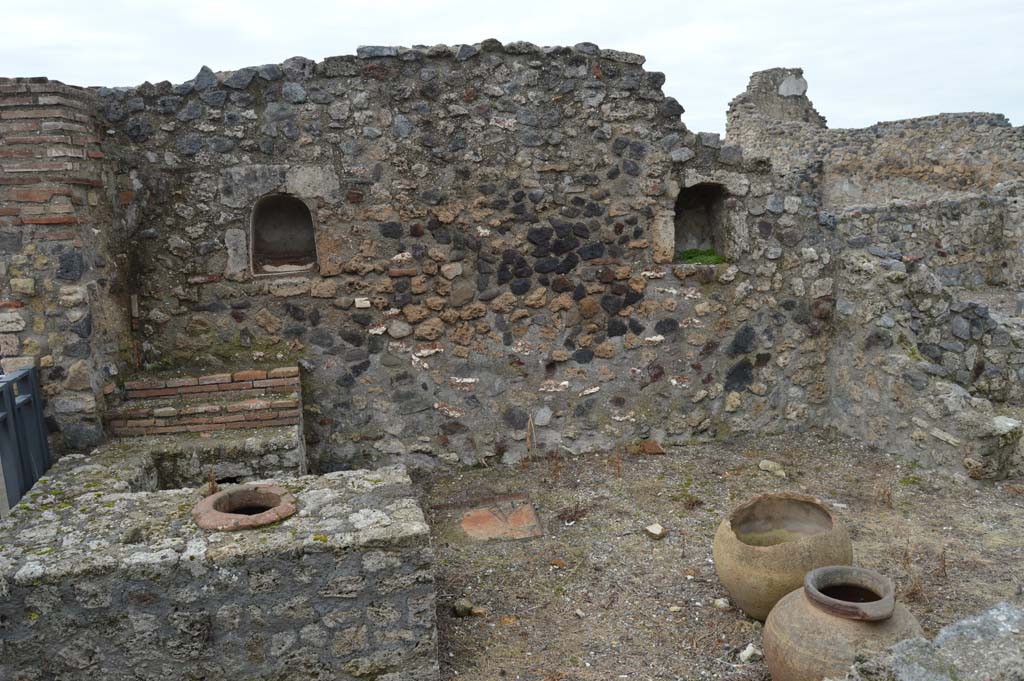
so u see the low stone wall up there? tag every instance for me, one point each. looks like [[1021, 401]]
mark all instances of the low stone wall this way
[[97, 581]]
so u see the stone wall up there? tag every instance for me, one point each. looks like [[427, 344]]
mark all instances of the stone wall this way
[[58, 303], [919, 372], [341, 590], [492, 270], [494, 229], [968, 243], [910, 160]]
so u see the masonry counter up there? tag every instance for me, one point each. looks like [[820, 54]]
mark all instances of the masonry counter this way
[[98, 580]]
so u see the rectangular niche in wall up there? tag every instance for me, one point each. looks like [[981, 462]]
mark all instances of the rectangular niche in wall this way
[[700, 223], [282, 235]]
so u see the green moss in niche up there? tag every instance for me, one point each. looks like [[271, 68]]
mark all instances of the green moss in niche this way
[[697, 256]]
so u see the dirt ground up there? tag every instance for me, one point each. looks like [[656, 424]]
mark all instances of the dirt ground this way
[[596, 598]]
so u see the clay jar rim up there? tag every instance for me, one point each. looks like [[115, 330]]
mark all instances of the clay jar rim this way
[[847, 575], [787, 496], [208, 515]]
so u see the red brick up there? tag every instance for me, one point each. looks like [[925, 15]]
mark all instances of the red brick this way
[[250, 375], [289, 413], [229, 419], [192, 389], [261, 424], [51, 220], [163, 392], [214, 378], [204, 279], [283, 372], [504, 519], [19, 126], [37, 195], [11, 304], [285, 404], [181, 382], [238, 385], [195, 420]]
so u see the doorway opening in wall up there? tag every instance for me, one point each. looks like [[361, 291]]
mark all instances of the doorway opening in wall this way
[[282, 235], [700, 224]]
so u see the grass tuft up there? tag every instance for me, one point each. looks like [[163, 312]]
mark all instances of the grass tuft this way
[[697, 256]]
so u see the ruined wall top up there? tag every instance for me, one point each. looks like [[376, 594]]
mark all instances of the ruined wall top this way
[[916, 159], [778, 94]]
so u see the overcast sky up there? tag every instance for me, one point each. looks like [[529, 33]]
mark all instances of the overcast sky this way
[[865, 60]]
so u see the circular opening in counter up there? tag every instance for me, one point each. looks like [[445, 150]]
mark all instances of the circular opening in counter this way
[[244, 507]]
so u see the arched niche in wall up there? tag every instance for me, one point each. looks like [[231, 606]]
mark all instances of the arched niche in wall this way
[[700, 223], [282, 235]]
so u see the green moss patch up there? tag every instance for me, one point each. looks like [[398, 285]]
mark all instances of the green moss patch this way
[[697, 256]]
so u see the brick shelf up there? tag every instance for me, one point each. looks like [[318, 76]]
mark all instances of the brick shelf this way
[[253, 398]]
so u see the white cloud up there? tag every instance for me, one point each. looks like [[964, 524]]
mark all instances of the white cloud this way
[[866, 60]]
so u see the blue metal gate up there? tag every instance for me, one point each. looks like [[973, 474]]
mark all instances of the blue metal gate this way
[[24, 450]]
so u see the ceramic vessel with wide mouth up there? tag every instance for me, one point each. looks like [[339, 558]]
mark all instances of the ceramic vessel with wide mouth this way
[[244, 507], [816, 631], [765, 547]]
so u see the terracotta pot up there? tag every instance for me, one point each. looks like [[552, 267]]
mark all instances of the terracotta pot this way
[[244, 507], [816, 631], [765, 547]]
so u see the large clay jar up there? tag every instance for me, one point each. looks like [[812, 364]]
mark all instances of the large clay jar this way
[[765, 547], [815, 632]]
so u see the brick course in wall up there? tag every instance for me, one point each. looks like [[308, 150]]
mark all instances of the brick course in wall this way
[[252, 398]]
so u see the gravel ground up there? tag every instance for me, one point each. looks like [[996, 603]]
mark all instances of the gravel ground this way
[[595, 598]]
